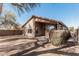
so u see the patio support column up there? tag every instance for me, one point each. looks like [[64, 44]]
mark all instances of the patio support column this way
[[34, 34]]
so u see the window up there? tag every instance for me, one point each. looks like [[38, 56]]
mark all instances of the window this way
[[29, 30]]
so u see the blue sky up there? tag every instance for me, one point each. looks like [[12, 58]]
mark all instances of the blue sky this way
[[67, 13]]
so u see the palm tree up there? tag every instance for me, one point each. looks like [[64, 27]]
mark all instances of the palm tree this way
[[9, 20], [21, 7]]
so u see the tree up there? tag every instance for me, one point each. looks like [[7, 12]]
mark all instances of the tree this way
[[71, 29], [9, 20], [21, 7]]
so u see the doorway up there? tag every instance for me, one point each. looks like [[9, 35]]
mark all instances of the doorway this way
[[39, 29]]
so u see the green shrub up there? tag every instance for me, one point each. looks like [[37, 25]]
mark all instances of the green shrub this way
[[59, 37]]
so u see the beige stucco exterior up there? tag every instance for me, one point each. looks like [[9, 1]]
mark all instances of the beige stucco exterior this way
[[30, 23]]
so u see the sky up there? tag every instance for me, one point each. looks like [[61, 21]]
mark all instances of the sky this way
[[68, 13]]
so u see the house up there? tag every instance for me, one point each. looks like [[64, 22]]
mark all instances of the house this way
[[38, 26]]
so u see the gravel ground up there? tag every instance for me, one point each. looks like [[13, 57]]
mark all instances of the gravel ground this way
[[50, 50], [19, 47]]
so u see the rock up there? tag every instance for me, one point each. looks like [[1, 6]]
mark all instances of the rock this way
[[41, 40]]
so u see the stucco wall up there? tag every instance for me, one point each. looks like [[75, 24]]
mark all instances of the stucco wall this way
[[31, 23]]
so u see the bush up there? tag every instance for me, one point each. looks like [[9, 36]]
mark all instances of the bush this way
[[59, 37]]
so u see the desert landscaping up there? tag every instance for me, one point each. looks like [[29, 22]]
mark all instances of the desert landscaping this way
[[39, 35], [40, 44]]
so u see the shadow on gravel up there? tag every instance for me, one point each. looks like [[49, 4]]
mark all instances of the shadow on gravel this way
[[56, 51]]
